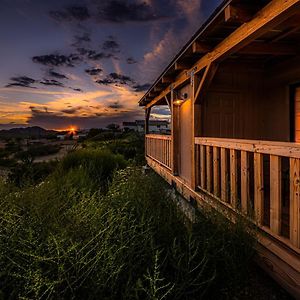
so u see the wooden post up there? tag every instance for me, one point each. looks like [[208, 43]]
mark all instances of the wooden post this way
[[216, 171], [233, 178], [147, 116], [258, 188], [175, 135], [275, 194], [244, 181], [224, 175], [295, 201]]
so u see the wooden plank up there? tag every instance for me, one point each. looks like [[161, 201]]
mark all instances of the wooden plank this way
[[269, 17], [244, 181], [202, 167], [209, 169], [295, 202], [233, 178], [224, 175], [264, 147], [275, 194], [258, 188], [216, 171]]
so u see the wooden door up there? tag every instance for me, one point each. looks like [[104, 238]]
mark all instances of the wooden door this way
[[185, 141], [297, 115]]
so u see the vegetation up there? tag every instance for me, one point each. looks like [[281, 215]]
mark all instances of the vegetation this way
[[94, 226]]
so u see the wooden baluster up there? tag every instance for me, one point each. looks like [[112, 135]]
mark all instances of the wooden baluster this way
[[202, 166], [244, 181], [216, 171], [258, 188], [233, 178], [295, 201], [224, 175], [208, 168], [275, 194]]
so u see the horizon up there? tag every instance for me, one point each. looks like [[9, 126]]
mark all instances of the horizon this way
[[83, 62]]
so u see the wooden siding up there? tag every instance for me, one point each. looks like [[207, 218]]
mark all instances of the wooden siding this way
[[240, 104]]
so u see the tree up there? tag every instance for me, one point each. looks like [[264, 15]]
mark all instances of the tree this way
[[113, 127]]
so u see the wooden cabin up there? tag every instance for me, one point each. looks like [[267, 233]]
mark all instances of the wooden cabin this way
[[234, 97]]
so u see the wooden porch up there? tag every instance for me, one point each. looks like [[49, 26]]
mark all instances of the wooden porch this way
[[258, 180]]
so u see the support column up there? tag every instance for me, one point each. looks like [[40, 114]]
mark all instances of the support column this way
[[175, 131]]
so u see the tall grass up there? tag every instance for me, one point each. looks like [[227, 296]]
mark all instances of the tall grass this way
[[67, 239]]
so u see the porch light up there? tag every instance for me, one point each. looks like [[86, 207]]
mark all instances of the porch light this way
[[180, 99], [178, 102]]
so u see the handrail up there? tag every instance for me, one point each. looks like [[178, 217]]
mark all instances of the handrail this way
[[159, 136], [264, 147]]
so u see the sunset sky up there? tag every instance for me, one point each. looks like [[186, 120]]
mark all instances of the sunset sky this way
[[87, 63]]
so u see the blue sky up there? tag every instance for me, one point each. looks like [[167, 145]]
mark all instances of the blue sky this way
[[87, 63]]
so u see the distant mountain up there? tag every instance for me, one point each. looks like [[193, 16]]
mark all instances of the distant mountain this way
[[27, 132]]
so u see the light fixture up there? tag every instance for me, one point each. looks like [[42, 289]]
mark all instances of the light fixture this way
[[180, 99]]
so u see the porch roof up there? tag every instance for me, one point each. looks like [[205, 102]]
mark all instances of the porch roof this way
[[225, 20]]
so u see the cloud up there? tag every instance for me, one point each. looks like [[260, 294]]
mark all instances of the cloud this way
[[116, 105], [56, 60], [22, 81], [52, 82], [93, 55], [142, 88], [79, 40], [121, 11], [93, 71], [111, 45], [131, 61], [71, 13], [57, 75], [115, 78], [76, 89]]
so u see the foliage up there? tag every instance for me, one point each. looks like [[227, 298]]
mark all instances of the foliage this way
[[37, 150], [29, 173], [66, 239]]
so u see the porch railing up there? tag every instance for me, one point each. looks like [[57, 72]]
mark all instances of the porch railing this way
[[158, 147], [259, 179]]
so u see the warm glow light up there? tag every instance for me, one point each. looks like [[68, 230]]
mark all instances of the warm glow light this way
[[72, 130], [178, 102]]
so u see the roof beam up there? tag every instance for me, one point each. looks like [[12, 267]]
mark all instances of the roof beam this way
[[179, 66], [269, 17], [200, 48], [238, 13], [167, 80], [269, 49]]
